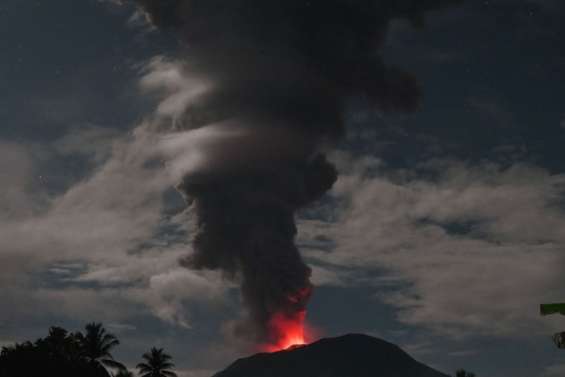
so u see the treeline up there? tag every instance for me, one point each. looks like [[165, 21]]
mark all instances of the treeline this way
[[78, 354]]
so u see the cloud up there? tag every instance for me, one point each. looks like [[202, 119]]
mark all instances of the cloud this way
[[170, 293], [89, 140], [96, 248], [17, 174], [104, 245], [109, 211], [120, 327], [471, 249], [556, 370], [169, 78]]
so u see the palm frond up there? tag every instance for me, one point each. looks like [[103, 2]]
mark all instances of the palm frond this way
[[112, 364], [143, 368], [157, 363]]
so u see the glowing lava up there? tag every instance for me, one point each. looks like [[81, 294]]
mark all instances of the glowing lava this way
[[287, 331]]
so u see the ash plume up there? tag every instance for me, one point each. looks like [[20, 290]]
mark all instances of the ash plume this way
[[279, 74]]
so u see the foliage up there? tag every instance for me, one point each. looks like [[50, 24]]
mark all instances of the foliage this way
[[124, 373], [96, 345], [157, 364], [62, 354], [88, 354]]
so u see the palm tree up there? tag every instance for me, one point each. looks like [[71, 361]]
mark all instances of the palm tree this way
[[124, 373], [96, 345], [58, 343], [156, 364]]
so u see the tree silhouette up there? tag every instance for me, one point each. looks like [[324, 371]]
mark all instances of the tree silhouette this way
[[96, 345], [124, 373], [157, 364], [61, 345], [59, 354], [464, 373]]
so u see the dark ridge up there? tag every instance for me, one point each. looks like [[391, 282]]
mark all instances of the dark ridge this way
[[353, 355]]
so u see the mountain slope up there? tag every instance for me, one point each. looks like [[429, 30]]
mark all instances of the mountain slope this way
[[351, 355]]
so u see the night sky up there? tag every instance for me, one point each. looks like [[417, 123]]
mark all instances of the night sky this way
[[443, 234]]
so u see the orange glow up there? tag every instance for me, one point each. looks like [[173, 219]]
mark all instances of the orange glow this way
[[288, 331]]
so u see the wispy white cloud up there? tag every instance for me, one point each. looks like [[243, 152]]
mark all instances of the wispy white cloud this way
[[170, 78], [170, 294], [120, 327], [472, 249], [97, 238]]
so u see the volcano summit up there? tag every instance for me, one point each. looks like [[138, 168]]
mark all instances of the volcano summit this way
[[351, 355]]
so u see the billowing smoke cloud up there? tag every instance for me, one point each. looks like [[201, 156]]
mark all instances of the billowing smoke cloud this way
[[278, 73]]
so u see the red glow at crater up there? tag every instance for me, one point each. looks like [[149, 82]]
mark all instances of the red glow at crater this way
[[287, 332]]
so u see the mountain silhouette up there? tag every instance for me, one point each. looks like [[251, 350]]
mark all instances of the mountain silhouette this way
[[352, 355]]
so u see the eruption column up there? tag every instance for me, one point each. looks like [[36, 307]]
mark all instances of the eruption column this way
[[247, 229], [280, 72]]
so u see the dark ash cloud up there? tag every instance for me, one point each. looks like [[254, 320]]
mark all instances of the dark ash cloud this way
[[288, 66]]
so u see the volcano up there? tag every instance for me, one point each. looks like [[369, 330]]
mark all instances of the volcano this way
[[352, 355]]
